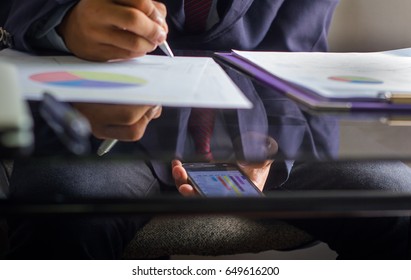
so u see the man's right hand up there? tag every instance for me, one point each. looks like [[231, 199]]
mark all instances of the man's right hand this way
[[122, 122], [103, 30]]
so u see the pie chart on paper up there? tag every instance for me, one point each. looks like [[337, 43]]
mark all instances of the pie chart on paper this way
[[87, 79]]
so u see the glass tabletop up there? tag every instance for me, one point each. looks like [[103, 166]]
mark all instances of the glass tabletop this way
[[307, 147]]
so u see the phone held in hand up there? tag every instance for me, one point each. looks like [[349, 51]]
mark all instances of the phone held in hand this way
[[220, 180]]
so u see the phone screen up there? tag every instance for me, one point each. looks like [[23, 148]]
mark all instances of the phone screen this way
[[221, 181]]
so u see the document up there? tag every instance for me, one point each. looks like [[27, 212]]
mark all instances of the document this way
[[339, 75], [375, 81], [155, 80]]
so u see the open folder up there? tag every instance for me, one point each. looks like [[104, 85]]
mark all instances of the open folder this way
[[333, 81]]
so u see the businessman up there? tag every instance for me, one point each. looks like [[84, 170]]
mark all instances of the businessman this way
[[104, 30]]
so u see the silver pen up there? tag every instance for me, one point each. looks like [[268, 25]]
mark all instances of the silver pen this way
[[166, 49], [108, 144]]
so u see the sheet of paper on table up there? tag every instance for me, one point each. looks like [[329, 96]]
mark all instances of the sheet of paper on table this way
[[178, 81]]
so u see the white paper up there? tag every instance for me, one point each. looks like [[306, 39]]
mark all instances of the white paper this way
[[340, 75], [178, 81]]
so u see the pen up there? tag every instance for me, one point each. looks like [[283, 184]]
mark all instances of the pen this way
[[166, 49], [108, 144]]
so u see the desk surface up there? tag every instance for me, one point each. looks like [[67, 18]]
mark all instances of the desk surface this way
[[300, 134]]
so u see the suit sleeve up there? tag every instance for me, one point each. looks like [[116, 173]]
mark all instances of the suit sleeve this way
[[28, 18]]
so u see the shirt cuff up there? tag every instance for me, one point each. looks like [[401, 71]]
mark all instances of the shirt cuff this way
[[279, 174]]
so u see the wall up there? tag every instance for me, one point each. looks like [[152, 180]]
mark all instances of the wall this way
[[371, 25]]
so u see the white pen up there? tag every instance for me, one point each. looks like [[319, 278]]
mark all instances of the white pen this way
[[166, 49], [106, 146]]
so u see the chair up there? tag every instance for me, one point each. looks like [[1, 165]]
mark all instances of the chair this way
[[213, 236], [196, 235]]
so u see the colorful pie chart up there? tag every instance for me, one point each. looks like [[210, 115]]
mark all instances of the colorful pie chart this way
[[87, 79], [355, 80]]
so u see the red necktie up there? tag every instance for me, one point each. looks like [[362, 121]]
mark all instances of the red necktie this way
[[201, 126], [201, 121], [196, 12]]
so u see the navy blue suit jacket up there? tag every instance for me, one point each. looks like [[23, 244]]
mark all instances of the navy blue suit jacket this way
[[285, 25], [289, 25]]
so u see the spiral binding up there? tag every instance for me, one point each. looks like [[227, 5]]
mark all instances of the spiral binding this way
[[5, 39]]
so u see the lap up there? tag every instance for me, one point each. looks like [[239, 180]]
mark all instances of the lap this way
[[77, 237], [357, 175], [90, 178], [356, 237]]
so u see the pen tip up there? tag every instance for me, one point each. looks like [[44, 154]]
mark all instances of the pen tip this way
[[101, 152], [166, 49]]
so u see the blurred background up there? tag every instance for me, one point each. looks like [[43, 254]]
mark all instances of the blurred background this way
[[371, 25]]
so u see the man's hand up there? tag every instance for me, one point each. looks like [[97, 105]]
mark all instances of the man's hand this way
[[122, 122], [257, 172], [103, 30]]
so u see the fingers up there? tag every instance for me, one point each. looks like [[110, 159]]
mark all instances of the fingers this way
[[161, 10], [131, 31], [144, 10], [122, 122], [155, 112], [131, 132], [131, 128], [149, 7], [187, 190], [179, 173], [104, 30], [103, 52], [138, 23]]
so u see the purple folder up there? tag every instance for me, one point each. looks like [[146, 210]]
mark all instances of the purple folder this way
[[307, 96]]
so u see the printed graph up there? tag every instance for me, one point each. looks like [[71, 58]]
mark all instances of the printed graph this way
[[355, 80], [87, 79]]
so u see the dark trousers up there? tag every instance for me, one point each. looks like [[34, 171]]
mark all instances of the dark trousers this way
[[77, 237], [360, 237], [105, 237]]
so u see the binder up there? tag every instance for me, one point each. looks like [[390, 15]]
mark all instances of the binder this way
[[385, 101]]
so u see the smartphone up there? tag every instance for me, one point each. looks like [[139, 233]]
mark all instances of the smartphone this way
[[220, 180]]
